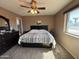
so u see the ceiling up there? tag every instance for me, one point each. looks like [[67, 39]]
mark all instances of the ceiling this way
[[52, 6]]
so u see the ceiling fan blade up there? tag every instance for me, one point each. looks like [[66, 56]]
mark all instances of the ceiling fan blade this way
[[23, 2], [28, 11], [25, 6], [38, 12], [41, 8]]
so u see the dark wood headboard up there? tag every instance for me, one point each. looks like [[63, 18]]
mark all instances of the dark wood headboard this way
[[45, 27]]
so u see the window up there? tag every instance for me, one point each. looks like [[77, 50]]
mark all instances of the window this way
[[72, 22]]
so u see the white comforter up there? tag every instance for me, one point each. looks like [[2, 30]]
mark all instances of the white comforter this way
[[37, 36]]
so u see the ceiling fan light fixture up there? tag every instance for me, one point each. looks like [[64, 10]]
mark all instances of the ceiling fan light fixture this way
[[33, 11]]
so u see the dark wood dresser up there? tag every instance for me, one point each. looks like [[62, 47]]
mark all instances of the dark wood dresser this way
[[7, 40]]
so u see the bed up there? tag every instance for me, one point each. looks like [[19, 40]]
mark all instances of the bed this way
[[37, 36]]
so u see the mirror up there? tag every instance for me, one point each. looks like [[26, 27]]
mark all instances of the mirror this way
[[4, 23]]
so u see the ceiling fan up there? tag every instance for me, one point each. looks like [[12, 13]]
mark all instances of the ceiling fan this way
[[32, 5]]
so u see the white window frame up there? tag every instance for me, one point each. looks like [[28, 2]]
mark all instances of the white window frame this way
[[65, 25]]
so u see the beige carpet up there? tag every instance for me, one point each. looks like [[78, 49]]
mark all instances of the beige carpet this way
[[18, 52]]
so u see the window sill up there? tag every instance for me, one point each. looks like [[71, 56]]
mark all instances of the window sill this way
[[75, 36]]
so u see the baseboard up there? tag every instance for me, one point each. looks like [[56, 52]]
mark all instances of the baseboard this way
[[68, 50]]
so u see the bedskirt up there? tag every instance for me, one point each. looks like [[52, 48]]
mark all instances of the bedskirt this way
[[39, 45]]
